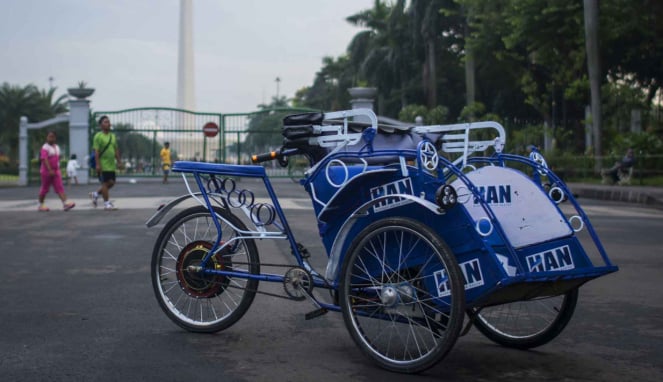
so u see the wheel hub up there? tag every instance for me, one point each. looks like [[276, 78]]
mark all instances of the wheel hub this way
[[392, 295], [389, 296], [190, 275]]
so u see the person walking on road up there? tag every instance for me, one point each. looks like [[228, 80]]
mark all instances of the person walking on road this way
[[165, 161], [107, 157], [51, 174]]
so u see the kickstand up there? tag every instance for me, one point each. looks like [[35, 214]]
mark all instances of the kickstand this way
[[472, 314]]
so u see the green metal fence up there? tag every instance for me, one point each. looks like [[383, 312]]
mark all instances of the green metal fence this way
[[141, 133]]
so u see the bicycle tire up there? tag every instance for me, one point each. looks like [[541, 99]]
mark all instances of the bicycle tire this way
[[195, 302], [527, 324], [389, 281]]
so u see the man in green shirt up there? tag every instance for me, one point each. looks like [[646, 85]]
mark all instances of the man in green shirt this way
[[107, 156]]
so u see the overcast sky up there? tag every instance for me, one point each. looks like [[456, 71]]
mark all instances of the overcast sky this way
[[127, 49]]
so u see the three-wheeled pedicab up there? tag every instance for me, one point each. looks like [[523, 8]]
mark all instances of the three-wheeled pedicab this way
[[420, 227]]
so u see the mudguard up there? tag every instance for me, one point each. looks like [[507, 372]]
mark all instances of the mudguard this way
[[342, 240], [165, 208]]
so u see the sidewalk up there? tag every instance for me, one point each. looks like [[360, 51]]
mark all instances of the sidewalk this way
[[144, 193]]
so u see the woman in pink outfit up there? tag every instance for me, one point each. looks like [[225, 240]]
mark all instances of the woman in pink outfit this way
[[50, 173]]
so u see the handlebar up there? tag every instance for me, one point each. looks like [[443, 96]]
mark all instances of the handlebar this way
[[279, 154], [264, 157]]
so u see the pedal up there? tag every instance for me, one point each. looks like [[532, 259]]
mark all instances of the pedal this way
[[316, 313]]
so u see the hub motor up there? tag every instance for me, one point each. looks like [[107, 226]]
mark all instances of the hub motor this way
[[194, 282]]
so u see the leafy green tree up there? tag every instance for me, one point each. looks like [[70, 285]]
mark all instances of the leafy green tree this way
[[528, 58], [264, 132], [631, 35], [531, 53], [410, 113], [329, 89], [435, 116]]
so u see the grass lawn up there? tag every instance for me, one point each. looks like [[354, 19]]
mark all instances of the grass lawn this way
[[8, 180]]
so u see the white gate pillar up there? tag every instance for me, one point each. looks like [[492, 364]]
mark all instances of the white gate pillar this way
[[79, 136], [362, 98]]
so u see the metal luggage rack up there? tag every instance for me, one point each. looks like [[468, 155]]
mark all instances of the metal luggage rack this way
[[335, 132]]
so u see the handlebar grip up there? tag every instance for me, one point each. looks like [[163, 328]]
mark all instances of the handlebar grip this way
[[258, 158]]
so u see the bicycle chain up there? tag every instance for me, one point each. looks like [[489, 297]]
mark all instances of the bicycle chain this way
[[286, 297]]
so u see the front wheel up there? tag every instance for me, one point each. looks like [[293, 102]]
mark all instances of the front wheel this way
[[527, 324], [401, 295], [194, 300]]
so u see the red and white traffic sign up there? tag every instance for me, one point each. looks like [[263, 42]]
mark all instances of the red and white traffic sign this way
[[210, 129]]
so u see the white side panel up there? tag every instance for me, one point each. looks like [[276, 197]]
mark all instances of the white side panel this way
[[524, 211]]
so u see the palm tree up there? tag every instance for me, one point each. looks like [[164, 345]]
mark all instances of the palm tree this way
[[382, 54], [29, 101], [15, 101], [374, 20], [425, 17], [52, 107]]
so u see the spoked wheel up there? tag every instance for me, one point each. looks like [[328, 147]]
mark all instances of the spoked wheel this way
[[527, 324], [401, 294], [196, 301]]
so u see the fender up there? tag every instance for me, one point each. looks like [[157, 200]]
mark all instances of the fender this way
[[165, 208], [336, 255]]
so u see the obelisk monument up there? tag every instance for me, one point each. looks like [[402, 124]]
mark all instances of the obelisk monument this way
[[185, 81]]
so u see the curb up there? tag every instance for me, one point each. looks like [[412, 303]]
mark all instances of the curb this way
[[620, 194]]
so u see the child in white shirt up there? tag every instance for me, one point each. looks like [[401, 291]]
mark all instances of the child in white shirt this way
[[72, 166]]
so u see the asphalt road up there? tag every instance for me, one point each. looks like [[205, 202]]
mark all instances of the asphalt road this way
[[76, 304]]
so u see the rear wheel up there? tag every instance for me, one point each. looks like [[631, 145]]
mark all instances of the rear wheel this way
[[527, 324], [194, 300], [401, 294]]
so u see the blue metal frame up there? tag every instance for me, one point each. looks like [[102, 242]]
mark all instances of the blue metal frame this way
[[198, 168]]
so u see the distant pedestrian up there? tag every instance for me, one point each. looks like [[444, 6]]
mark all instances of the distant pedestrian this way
[[51, 174], [166, 162], [72, 167], [619, 172], [107, 159]]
